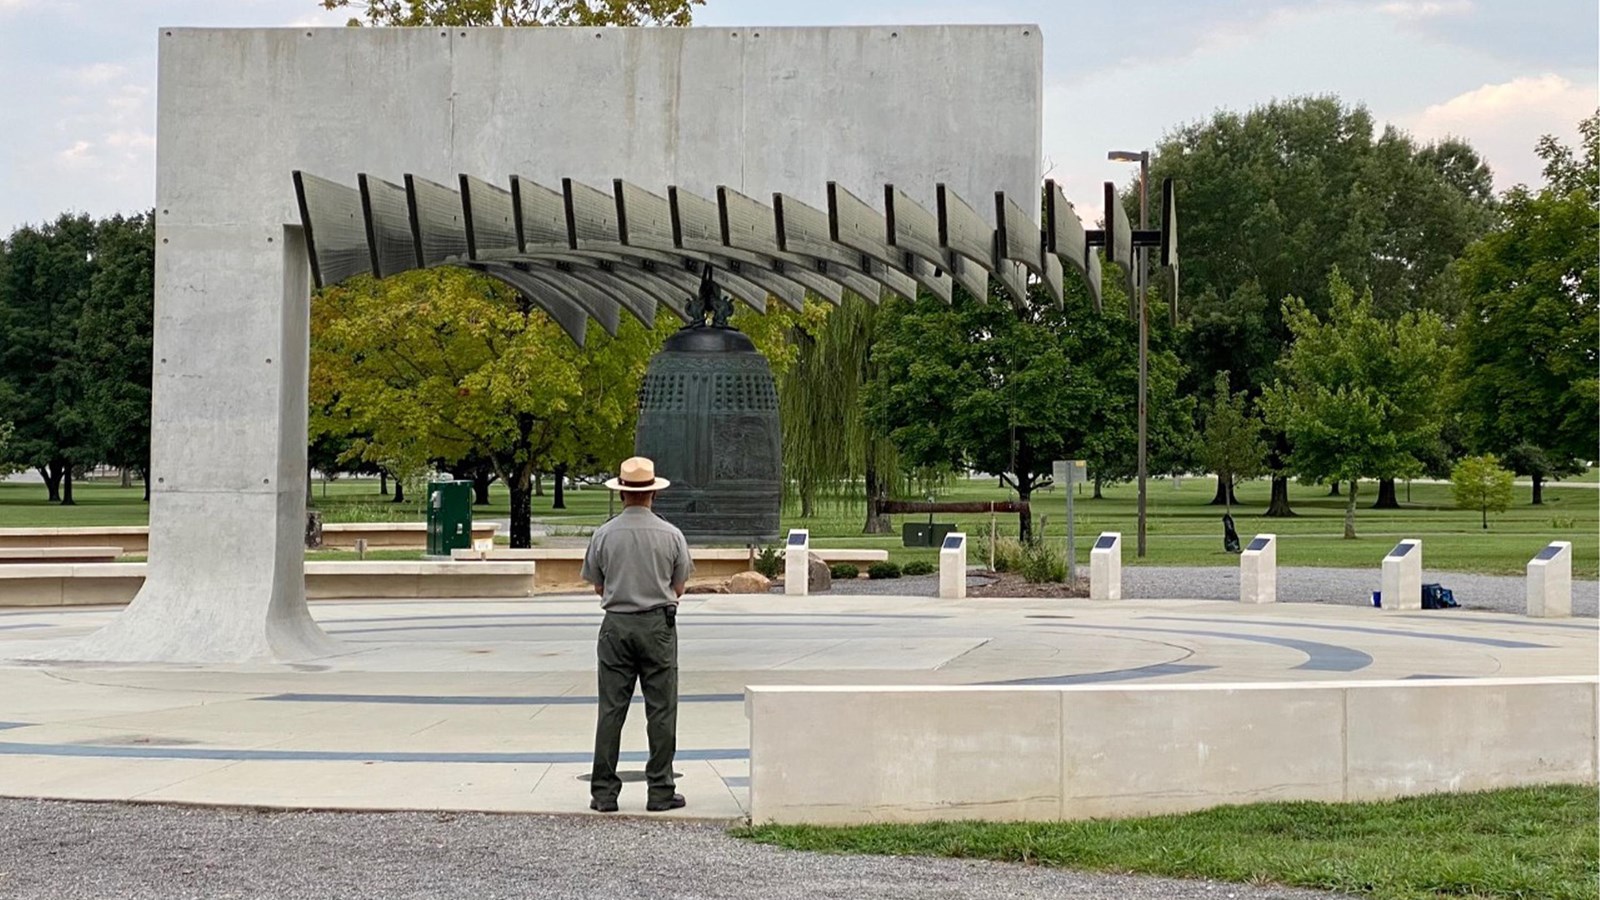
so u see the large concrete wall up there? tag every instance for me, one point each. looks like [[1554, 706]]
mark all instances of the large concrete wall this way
[[851, 755], [763, 110]]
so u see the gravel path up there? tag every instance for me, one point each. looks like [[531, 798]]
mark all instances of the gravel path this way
[[89, 851], [1499, 593]]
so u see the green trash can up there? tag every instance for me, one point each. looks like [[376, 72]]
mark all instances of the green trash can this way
[[449, 517]]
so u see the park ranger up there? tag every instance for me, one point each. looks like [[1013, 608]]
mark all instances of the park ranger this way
[[638, 564]]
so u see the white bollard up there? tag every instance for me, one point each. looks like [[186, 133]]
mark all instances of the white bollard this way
[[797, 563], [953, 567], [1105, 567], [1258, 570], [1550, 582], [1402, 576]]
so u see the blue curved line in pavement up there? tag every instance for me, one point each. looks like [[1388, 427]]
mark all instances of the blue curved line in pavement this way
[[102, 751], [480, 700], [1358, 629], [1151, 671], [1536, 623], [596, 614], [509, 625], [1319, 657], [25, 625], [5, 725]]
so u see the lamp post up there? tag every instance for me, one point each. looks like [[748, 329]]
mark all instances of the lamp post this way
[[1142, 313]]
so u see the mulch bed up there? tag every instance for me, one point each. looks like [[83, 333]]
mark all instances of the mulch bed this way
[[1010, 584]]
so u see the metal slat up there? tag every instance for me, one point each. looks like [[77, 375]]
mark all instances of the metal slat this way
[[388, 220], [854, 223], [438, 223], [566, 312], [490, 216], [335, 230], [750, 224], [804, 229]]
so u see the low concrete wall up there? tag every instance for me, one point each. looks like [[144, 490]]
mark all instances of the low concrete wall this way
[[135, 539], [850, 755], [93, 584], [560, 568], [23, 555], [391, 535]]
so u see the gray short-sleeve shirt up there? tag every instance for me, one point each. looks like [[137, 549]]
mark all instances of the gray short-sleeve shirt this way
[[636, 559]]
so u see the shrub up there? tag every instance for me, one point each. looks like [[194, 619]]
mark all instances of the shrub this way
[[769, 562], [1007, 554], [918, 567], [843, 570], [884, 570], [1042, 562]]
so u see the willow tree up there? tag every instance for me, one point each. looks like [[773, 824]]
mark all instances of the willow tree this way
[[830, 452]]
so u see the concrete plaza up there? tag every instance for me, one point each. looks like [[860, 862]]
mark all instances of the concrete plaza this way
[[489, 705]]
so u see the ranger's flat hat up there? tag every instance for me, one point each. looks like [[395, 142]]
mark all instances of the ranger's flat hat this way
[[637, 474]]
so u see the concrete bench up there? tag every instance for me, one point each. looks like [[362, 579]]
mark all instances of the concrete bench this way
[[22, 555], [1046, 753], [391, 535], [560, 568], [131, 538], [89, 584]]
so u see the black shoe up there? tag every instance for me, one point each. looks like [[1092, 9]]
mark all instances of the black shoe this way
[[676, 802], [604, 806]]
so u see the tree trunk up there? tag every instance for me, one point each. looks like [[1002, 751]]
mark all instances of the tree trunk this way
[[1485, 509], [1538, 490], [1025, 515], [538, 484], [1387, 498], [66, 487], [480, 487], [1225, 494], [383, 483], [1097, 494], [1333, 489], [399, 491], [52, 480], [1350, 513], [877, 492], [127, 477], [144, 475], [808, 502], [521, 511], [1278, 508], [561, 487]]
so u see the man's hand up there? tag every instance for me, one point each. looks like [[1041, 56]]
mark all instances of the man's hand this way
[[600, 590], [678, 589]]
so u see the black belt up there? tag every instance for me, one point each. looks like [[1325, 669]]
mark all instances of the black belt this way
[[673, 607]]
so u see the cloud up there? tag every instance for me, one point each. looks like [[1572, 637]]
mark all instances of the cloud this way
[[1504, 120], [1414, 10], [95, 74]]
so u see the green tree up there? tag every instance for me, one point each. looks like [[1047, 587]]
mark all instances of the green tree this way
[[47, 280], [460, 13], [1274, 199], [115, 342], [439, 364], [1525, 367], [1478, 482], [986, 386], [1232, 446], [1358, 396]]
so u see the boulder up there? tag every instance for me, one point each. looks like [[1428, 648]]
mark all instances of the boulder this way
[[820, 579], [749, 583], [706, 586]]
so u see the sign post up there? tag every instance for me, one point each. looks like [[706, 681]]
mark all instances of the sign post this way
[[1067, 473]]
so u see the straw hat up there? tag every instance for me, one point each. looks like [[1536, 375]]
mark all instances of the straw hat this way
[[637, 474]]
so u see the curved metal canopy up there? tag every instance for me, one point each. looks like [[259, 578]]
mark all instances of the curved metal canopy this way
[[582, 253]]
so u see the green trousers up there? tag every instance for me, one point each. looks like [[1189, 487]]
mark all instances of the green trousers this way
[[639, 647]]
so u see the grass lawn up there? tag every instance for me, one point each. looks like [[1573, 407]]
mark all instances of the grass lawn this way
[[1521, 843], [1183, 528]]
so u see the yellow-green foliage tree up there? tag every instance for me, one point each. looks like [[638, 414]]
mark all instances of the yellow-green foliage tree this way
[[1479, 483], [440, 364]]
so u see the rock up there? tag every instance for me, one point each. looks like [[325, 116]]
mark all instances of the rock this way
[[820, 579], [706, 586], [749, 583]]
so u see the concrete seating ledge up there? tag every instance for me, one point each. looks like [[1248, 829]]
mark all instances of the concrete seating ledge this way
[[560, 567], [88, 584], [135, 539], [23, 555], [1042, 753]]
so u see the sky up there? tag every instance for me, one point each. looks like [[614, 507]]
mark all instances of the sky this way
[[77, 117]]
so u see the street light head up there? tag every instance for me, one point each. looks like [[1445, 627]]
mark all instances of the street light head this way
[[1125, 156]]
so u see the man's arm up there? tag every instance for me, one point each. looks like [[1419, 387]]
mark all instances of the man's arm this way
[[591, 571], [682, 565]]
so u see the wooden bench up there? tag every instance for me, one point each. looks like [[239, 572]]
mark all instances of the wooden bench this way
[[391, 535], [23, 555], [88, 584]]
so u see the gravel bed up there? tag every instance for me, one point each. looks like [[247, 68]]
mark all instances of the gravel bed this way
[[1497, 593], [89, 851]]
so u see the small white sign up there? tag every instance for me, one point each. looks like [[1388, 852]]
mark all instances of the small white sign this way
[[1068, 471]]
